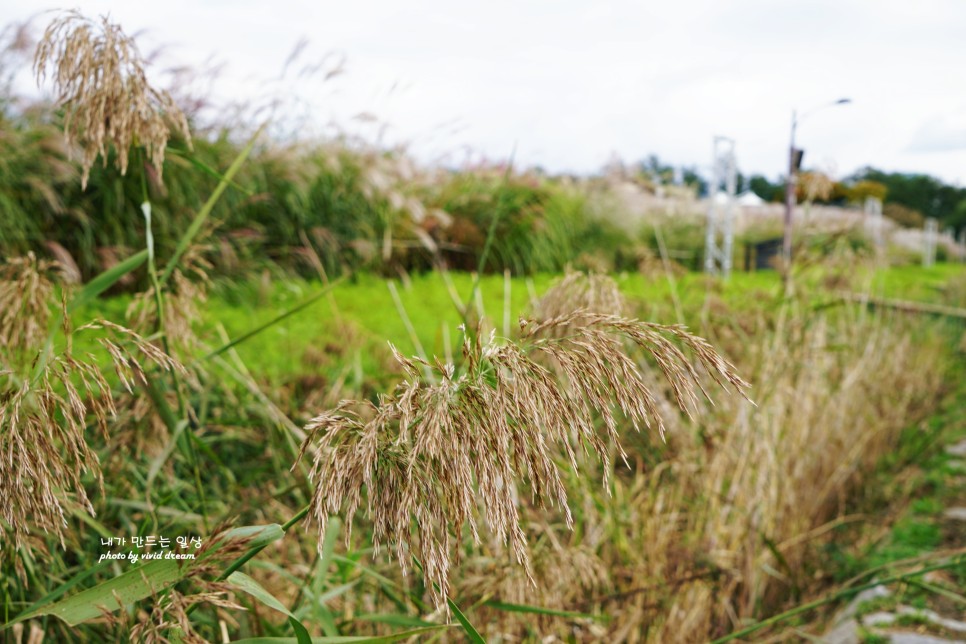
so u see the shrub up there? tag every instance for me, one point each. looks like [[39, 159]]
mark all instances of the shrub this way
[[905, 217]]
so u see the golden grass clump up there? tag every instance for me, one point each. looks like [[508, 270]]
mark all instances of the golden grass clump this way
[[432, 456], [774, 482], [98, 75]]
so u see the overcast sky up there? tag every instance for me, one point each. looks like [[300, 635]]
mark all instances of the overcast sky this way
[[567, 84]]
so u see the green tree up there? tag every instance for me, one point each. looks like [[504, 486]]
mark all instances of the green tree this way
[[765, 189], [905, 217], [929, 195], [862, 190]]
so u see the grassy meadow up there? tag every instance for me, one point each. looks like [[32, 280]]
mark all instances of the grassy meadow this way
[[258, 392]]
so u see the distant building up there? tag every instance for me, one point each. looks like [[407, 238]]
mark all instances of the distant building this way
[[749, 198]]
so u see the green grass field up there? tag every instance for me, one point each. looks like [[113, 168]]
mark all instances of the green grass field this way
[[366, 305]]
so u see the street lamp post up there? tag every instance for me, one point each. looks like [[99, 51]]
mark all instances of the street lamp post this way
[[790, 182]]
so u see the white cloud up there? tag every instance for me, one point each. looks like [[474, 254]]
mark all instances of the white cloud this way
[[941, 133], [569, 82]]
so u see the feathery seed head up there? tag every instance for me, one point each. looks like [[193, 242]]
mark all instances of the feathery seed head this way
[[437, 454], [98, 75], [43, 420]]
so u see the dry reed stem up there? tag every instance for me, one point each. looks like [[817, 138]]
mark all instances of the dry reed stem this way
[[99, 78], [434, 455]]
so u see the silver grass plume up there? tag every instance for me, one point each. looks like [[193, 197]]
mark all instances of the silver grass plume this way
[[98, 75], [436, 454], [46, 405]]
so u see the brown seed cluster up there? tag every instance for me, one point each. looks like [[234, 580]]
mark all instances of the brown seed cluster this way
[[439, 452], [593, 292], [98, 75], [26, 289], [47, 403]]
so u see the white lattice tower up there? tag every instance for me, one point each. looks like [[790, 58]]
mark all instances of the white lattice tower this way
[[929, 242], [719, 237], [873, 221]]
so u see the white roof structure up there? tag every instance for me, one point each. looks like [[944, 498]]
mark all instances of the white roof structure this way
[[749, 198], [746, 198]]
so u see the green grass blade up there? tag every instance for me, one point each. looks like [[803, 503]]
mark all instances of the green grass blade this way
[[472, 634], [61, 590], [336, 591], [208, 206], [538, 610], [391, 619], [328, 545], [262, 327], [137, 583], [134, 585], [106, 280], [245, 583], [348, 639], [207, 169]]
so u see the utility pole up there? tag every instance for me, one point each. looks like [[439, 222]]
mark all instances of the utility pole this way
[[794, 161]]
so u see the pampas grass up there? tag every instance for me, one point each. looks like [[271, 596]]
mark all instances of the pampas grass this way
[[440, 451], [48, 401], [98, 75]]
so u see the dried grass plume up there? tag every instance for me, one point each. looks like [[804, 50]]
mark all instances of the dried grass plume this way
[[47, 402], [98, 75], [438, 453]]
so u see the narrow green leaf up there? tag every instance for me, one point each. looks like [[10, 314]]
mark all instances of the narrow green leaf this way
[[67, 585], [208, 206], [393, 620], [106, 280], [939, 590], [278, 318], [538, 610], [335, 591], [328, 545], [207, 169], [139, 582], [243, 582], [471, 633], [158, 462], [348, 639], [131, 586]]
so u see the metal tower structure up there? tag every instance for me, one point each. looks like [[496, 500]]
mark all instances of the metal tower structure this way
[[873, 221], [719, 237], [929, 242]]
